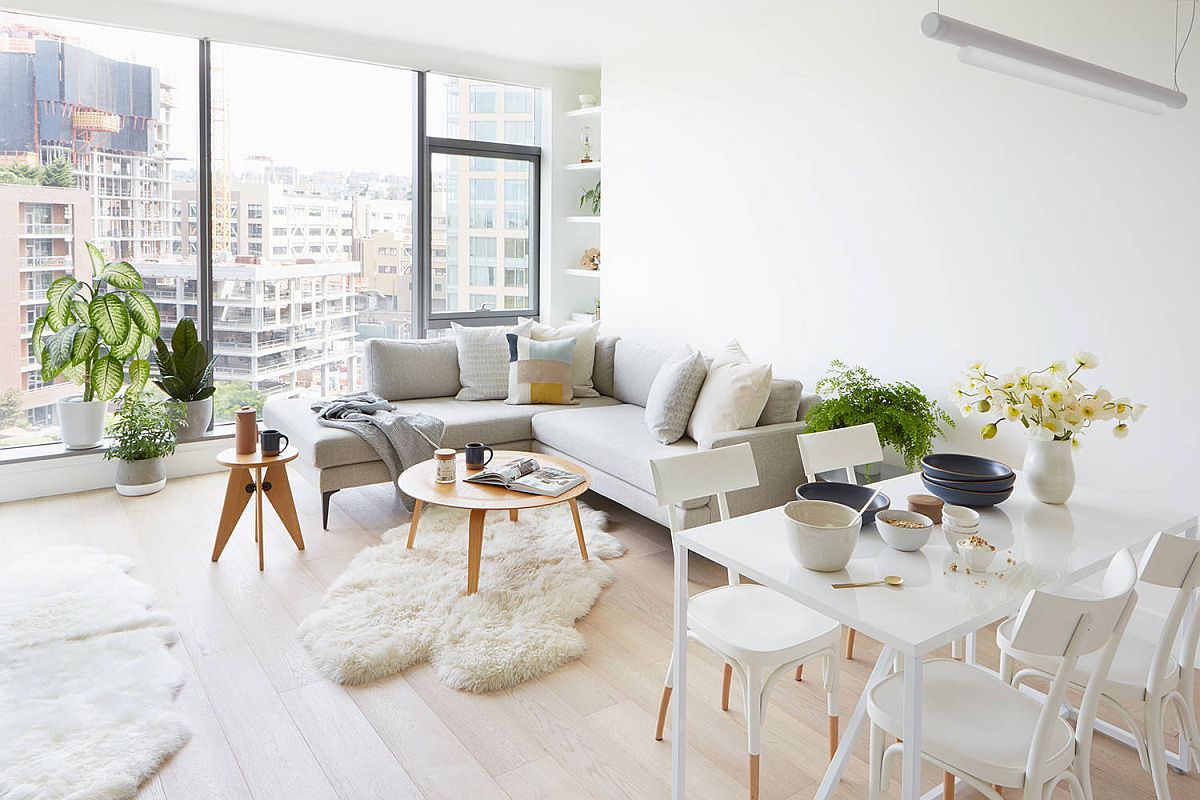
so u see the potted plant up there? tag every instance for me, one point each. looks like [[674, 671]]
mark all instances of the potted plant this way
[[94, 329], [186, 375], [592, 197], [143, 431], [1055, 409], [904, 417]]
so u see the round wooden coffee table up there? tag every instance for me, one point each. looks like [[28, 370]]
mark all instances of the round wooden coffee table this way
[[418, 483]]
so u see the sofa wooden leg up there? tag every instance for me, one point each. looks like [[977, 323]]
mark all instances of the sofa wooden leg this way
[[325, 496]]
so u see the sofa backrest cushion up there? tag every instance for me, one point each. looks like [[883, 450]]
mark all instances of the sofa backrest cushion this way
[[783, 404], [602, 368], [398, 369], [635, 365]]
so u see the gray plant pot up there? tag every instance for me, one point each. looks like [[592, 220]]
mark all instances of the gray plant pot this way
[[198, 414], [137, 478]]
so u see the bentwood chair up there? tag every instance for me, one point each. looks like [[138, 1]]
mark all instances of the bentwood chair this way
[[845, 449], [760, 633], [994, 736], [1145, 675]]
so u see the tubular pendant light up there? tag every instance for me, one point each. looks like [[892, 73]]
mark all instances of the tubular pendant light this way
[[980, 47]]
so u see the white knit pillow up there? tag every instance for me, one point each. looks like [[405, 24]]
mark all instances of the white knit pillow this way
[[733, 396], [483, 360]]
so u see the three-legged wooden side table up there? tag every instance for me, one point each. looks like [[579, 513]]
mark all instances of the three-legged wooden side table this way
[[246, 479]]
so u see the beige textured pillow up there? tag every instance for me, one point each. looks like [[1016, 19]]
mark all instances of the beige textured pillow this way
[[733, 396], [584, 334]]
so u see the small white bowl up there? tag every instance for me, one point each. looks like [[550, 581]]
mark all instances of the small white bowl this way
[[978, 557], [822, 535], [960, 516], [904, 539]]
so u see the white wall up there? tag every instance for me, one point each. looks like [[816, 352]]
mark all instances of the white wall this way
[[819, 180]]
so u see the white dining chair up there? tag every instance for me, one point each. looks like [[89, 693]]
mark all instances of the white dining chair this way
[[760, 633], [994, 736], [1145, 676], [845, 449]]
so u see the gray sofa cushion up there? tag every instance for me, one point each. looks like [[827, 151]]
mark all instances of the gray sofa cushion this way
[[398, 369], [783, 404], [489, 421], [602, 369], [635, 365], [611, 438]]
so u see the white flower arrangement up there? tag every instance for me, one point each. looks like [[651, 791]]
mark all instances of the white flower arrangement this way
[[1050, 402]]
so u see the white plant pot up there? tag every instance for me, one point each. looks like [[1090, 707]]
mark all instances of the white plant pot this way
[[137, 478], [80, 422], [197, 414], [1049, 470]]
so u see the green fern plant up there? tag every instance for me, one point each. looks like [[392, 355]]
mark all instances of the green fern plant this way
[[904, 417]]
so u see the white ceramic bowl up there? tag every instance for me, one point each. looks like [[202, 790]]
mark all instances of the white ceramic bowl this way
[[977, 557], [904, 539], [822, 535], [954, 532], [960, 516]]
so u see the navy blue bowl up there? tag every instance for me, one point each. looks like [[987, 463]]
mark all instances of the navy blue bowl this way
[[998, 485], [962, 497], [959, 467], [847, 494]]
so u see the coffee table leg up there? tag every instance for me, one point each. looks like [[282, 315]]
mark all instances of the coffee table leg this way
[[513, 515], [412, 526], [475, 549], [236, 499], [578, 528]]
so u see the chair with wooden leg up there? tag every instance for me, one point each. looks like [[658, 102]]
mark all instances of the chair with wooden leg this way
[[1146, 679], [844, 449], [761, 634], [994, 736]]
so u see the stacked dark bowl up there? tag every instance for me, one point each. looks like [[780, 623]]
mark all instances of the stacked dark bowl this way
[[846, 494], [967, 480]]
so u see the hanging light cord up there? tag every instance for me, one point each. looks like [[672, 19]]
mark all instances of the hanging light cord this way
[[1188, 35]]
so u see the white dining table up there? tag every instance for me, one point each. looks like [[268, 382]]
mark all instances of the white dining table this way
[[938, 604]]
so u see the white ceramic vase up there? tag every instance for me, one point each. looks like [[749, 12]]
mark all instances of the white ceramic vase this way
[[1049, 470]]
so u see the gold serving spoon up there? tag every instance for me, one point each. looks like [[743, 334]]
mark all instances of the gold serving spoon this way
[[889, 580]]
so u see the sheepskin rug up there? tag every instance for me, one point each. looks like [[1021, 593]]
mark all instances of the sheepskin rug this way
[[395, 607], [87, 685]]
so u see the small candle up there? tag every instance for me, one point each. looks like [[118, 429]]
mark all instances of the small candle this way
[[445, 466]]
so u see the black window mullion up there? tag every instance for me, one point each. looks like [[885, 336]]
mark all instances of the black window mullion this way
[[204, 192]]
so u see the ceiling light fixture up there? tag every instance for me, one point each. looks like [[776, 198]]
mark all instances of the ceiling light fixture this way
[[981, 47]]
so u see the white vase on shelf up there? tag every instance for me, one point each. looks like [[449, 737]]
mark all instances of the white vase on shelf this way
[[1049, 470]]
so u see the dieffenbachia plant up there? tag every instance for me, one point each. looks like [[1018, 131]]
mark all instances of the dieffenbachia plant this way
[[91, 330]]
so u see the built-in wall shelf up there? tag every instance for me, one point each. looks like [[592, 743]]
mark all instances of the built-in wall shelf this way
[[584, 273], [584, 167], [593, 111], [593, 218]]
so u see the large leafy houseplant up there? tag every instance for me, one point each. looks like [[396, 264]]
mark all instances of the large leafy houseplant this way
[[904, 417]]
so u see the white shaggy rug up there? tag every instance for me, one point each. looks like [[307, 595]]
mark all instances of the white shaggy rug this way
[[395, 607], [87, 686]]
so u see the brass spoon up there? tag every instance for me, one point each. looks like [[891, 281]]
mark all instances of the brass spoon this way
[[889, 580]]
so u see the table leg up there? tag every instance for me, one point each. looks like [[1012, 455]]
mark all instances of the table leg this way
[[236, 498], [578, 528], [853, 730], [1188, 689], [513, 515], [474, 549], [679, 718], [258, 521], [279, 493], [412, 526], [972, 651], [910, 779]]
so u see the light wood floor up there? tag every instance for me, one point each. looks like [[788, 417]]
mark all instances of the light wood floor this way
[[265, 726]]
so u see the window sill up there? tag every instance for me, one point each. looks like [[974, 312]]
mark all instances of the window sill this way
[[56, 450]]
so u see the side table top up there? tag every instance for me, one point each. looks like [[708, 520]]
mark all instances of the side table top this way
[[417, 481], [232, 458]]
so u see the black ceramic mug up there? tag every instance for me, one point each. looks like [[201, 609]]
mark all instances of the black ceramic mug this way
[[475, 459], [272, 442]]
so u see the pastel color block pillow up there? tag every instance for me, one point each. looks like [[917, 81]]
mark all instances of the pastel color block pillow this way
[[540, 372]]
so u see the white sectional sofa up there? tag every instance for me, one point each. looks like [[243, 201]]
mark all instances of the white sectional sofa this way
[[606, 435]]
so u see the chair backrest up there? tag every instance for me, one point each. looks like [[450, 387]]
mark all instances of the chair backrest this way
[[844, 448], [1172, 562], [1066, 628]]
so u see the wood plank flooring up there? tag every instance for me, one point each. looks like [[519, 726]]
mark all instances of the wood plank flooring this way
[[266, 726]]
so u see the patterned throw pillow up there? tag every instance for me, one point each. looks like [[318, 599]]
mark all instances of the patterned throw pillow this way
[[483, 360], [540, 372], [673, 394]]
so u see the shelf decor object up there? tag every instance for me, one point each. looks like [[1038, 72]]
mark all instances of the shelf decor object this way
[[981, 47], [585, 144]]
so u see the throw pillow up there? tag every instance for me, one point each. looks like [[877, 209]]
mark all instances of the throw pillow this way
[[673, 394], [733, 396], [483, 360], [584, 334], [539, 372]]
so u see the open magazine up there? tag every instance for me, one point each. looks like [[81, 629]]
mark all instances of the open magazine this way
[[526, 475]]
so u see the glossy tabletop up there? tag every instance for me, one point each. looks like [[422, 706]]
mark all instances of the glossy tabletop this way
[[937, 604], [417, 481]]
